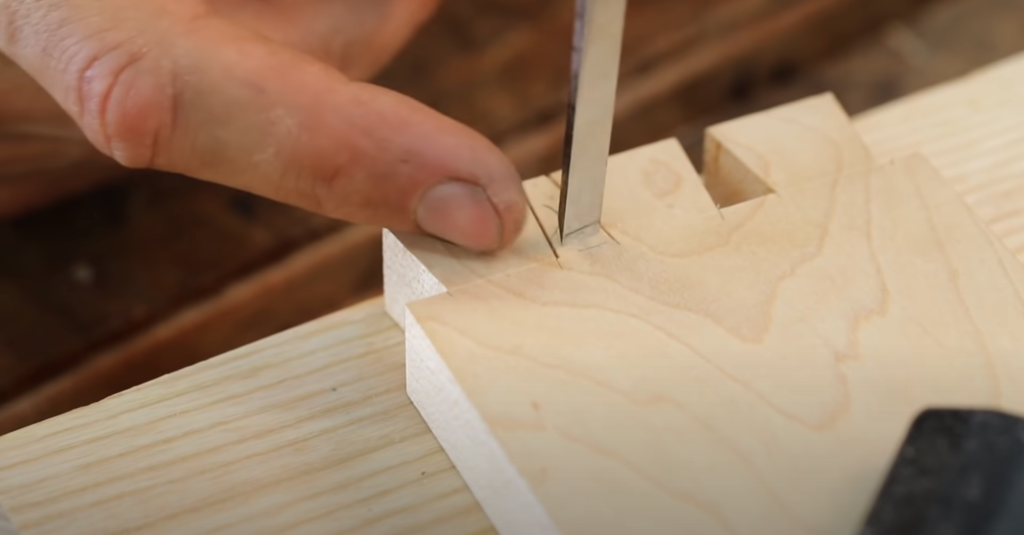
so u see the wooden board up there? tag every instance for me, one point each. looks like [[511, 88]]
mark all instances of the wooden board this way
[[743, 370], [55, 477]]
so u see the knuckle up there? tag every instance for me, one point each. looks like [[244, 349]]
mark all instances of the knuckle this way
[[105, 71], [120, 101]]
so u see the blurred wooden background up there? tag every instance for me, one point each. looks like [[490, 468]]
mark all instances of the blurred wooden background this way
[[109, 279]]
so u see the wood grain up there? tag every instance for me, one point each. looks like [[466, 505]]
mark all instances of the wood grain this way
[[742, 372], [354, 458], [48, 471]]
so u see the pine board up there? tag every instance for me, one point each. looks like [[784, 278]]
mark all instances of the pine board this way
[[89, 471]]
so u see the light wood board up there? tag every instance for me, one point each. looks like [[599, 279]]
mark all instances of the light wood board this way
[[307, 432], [744, 370], [76, 473]]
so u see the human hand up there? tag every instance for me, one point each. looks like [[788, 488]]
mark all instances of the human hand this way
[[251, 94]]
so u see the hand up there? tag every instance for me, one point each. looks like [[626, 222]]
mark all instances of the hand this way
[[251, 94]]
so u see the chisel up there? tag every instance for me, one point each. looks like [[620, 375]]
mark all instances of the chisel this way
[[597, 49]]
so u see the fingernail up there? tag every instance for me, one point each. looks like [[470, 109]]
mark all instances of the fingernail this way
[[461, 213]]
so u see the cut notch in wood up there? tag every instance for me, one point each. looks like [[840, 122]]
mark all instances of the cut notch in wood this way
[[774, 150]]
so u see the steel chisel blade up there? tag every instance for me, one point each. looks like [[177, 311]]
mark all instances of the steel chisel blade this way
[[597, 49]]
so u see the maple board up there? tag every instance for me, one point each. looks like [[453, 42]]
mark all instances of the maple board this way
[[746, 369]]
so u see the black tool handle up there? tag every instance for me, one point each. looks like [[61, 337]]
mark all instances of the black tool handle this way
[[959, 472]]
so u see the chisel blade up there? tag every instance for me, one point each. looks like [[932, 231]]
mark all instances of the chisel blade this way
[[597, 50]]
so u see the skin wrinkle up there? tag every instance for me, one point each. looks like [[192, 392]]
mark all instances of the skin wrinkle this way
[[67, 57], [105, 114]]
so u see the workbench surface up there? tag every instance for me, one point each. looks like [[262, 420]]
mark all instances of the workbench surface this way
[[311, 431]]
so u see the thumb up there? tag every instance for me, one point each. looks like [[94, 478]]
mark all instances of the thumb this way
[[163, 85]]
